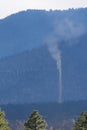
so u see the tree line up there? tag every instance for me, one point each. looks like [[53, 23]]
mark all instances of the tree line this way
[[36, 122]]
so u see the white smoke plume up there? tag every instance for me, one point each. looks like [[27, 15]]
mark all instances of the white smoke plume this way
[[68, 30], [64, 31], [56, 54]]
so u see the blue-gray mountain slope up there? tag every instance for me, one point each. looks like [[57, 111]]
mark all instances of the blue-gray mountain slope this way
[[28, 73]]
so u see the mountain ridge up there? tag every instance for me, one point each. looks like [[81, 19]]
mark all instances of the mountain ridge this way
[[28, 71]]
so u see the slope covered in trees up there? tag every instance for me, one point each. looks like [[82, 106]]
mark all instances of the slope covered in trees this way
[[29, 29], [27, 68]]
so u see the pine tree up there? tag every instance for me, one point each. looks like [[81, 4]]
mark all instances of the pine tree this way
[[81, 123], [3, 121], [35, 122]]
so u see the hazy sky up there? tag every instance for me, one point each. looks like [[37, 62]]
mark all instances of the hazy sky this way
[[8, 7]]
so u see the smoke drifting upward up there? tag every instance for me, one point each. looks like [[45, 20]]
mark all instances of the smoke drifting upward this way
[[67, 31], [56, 54]]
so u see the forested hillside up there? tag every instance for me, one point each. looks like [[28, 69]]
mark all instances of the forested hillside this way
[[28, 70]]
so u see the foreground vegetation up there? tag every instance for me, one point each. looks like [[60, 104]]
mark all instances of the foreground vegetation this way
[[36, 122], [3, 122]]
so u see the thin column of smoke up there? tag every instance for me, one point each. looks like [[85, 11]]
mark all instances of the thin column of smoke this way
[[66, 30], [56, 54]]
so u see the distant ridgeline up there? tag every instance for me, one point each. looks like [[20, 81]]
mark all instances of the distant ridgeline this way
[[43, 56]]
